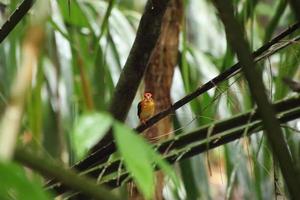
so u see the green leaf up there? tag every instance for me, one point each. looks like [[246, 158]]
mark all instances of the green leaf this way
[[135, 152], [15, 185], [88, 129], [139, 158], [76, 16]]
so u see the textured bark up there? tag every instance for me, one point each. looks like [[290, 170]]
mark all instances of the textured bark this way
[[158, 81], [159, 74], [146, 37]]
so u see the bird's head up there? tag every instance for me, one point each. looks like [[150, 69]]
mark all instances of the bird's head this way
[[148, 96]]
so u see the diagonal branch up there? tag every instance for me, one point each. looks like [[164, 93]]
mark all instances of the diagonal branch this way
[[234, 33], [15, 18], [100, 156], [190, 144], [203, 146], [235, 69], [69, 178], [197, 142], [200, 134]]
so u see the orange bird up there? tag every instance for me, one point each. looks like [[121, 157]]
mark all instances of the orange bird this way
[[146, 107]]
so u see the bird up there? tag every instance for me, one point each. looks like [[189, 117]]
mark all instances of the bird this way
[[146, 107]]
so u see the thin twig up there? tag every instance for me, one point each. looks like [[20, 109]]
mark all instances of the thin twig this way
[[15, 18]]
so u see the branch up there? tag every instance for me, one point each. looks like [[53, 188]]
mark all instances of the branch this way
[[100, 156], [69, 178], [236, 39], [15, 18], [235, 69], [195, 142]]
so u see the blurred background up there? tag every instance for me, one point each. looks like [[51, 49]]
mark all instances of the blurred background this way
[[86, 45]]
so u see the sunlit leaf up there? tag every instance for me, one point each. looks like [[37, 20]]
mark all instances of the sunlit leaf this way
[[88, 129]]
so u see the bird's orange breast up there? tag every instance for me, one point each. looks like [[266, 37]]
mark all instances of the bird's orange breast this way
[[147, 109]]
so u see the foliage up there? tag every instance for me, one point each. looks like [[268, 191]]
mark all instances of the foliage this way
[[86, 46], [15, 185], [88, 129], [139, 157]]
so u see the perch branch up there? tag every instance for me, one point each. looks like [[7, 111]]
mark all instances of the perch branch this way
[[69, 178], [100, 155]]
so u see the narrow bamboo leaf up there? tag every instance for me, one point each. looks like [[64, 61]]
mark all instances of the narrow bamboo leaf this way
[[88, 129], [257, 174], [34, 107], [188, 179], [104, 25], [184, 65], [231, 182], [293, 139], [76, 17], [15, 185], [280, 8], [98, 78], [51, 138], [287, 69], [187, 173]]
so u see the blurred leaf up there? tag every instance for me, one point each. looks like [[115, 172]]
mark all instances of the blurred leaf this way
[[288, 66], [51, 132], [280, 8], [76, 16], [135, 153], [139, 157], [88, 129], [165, 167], [15, 185]]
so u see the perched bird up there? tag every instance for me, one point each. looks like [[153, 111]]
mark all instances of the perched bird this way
[[146, 107]]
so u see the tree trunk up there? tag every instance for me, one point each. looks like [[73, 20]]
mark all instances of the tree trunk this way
[[158, 80]]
